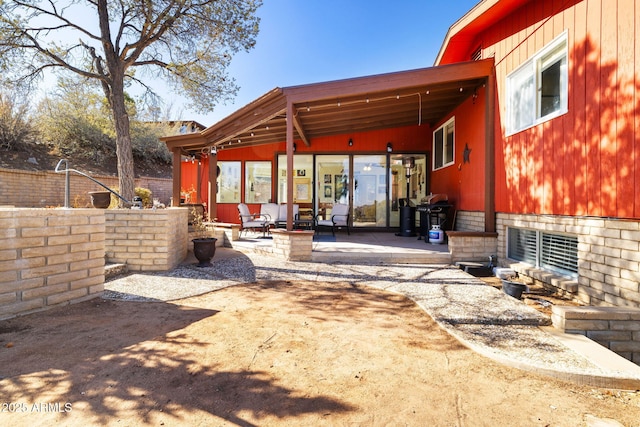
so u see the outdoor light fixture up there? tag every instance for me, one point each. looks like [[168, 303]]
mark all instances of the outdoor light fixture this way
[[389, 147], [214, 150], [350, 142], [408, 163]]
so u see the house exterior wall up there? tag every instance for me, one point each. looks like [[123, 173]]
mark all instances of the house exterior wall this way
[[413, 139], [576, 174], [584, 162], [463, 182], [608, 253]]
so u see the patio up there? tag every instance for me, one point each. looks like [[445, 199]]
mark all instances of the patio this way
[[359, 246]]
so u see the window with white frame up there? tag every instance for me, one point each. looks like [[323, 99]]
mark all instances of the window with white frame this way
[[443, 145], [537, 90]]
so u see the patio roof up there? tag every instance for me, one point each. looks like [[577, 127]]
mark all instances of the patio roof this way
[[422, 96]]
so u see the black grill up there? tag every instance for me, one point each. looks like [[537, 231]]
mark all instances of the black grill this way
[[433, 214]]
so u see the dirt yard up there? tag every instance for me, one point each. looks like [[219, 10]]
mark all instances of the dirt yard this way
[[273, 354]]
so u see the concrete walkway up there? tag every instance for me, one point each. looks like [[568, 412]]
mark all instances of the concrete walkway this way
[[480, 316]]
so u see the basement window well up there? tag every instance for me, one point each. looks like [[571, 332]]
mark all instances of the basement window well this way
[[554, 252]]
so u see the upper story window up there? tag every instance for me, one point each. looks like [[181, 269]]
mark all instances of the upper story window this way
[[537, 91], [443, 144]]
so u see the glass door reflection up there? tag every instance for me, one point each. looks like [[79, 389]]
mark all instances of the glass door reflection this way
[[370, 191], [332, 183]]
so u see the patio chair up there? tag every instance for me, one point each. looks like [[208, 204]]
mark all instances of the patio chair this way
[[340, 216], [282, 215], [270, 212], [251, 221]]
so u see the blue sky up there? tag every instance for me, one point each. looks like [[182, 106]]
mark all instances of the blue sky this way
[[309, 41]]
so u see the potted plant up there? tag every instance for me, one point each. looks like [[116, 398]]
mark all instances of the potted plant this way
[[100, 199], [204, 246]]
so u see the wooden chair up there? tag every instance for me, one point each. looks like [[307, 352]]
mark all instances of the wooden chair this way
[[340, 216]]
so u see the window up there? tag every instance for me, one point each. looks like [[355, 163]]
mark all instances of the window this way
[[257, 183], [537, 91], [229, 182], [443, 145], [554, 252]]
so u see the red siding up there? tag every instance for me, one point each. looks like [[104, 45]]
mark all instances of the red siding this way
[[405, 139], [586, 161], [464, 182]]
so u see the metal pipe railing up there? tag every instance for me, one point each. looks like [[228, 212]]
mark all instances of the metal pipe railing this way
[[66, 170]]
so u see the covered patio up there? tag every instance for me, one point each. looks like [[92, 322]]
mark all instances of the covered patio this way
[[302, 117]]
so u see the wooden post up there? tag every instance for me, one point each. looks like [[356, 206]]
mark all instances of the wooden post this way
[[289, 165], [212, 207], [490, 161], [176, 177]]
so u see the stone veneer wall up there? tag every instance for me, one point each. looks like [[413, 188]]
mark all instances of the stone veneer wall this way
[[46, 189], [608, 256], [49, 257], [146, 239]]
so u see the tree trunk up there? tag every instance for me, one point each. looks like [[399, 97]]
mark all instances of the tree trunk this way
[[113, 86], [126, 177]]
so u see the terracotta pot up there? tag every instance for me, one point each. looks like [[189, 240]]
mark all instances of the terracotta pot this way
[[100, 199], [204, 248]]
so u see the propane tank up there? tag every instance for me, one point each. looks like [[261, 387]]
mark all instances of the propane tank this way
[[436, 235]]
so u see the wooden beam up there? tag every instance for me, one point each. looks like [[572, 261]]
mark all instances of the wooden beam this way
[[391, 81], [301, 133]]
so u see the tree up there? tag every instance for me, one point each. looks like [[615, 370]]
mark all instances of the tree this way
[[74, 119], [188, 43], [16, 128]]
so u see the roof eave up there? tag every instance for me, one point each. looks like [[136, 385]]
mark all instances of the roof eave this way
[[466, 30]]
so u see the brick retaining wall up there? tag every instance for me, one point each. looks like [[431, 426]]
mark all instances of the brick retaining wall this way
[[49, 257], [146, 239], [615, 328], [46, 189], [472, 246]]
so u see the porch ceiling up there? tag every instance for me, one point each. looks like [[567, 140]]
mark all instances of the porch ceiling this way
[[423, 96]]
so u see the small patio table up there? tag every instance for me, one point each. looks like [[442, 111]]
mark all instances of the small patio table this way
[[298, 224]]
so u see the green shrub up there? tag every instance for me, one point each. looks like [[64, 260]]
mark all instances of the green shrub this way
[[144, 193]]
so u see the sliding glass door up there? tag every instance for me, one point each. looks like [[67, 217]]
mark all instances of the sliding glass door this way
[[369, 191], [373, 185], [332, 183]]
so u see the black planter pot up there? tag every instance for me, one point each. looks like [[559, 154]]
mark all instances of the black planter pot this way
[[514, 289], [204, 248], [100, 199]]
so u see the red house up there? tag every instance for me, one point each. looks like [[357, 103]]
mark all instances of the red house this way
[[527, 122]]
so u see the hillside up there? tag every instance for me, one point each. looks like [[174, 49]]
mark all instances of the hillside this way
[[40, 157]]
